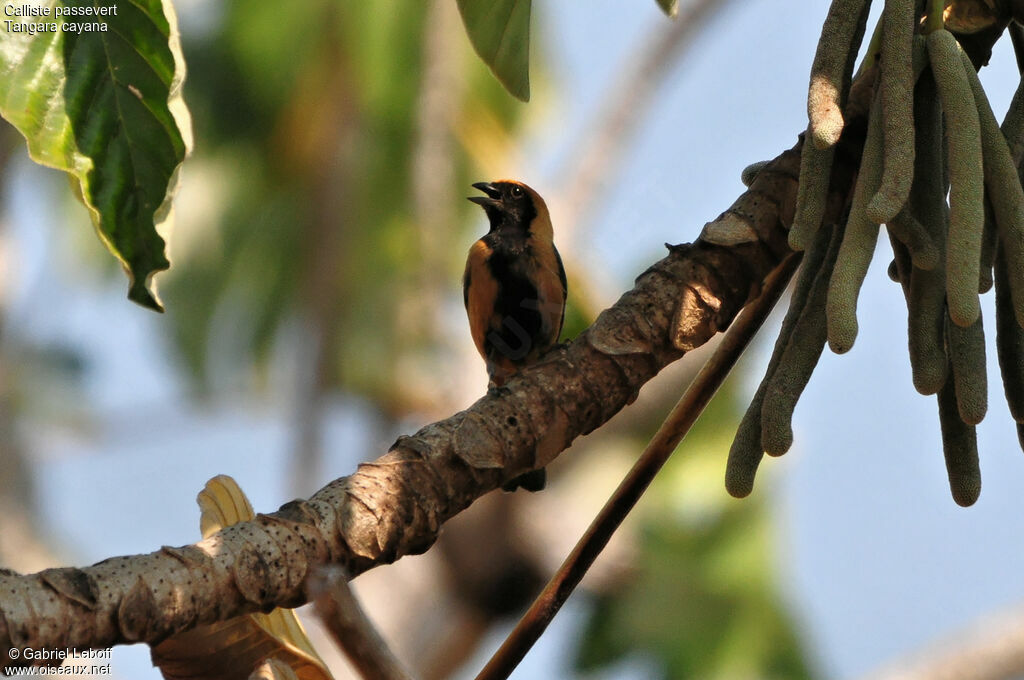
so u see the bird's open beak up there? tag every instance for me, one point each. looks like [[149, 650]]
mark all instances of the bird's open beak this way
[[491, 199]]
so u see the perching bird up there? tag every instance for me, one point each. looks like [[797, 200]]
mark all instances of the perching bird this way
[[514, 288]]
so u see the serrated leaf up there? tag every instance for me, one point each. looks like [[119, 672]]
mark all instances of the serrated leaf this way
[[669, 7], [500, 33], [104, 105]]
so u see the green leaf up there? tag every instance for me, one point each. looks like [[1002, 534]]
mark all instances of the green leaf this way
[[669, 7], [500, 33], [104, 104]]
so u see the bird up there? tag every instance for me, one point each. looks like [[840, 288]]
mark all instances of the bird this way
[[514, 288]]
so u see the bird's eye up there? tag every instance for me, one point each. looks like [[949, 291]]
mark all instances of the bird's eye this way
[[517, 192]]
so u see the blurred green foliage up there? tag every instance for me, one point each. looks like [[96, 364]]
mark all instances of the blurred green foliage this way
[[701, 599], [306, 116]]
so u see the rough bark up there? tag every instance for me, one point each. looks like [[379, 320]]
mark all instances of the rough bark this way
[[395, 505]]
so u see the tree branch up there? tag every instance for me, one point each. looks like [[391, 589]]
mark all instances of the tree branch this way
[[991, 648], [395, 505], [339, 609]]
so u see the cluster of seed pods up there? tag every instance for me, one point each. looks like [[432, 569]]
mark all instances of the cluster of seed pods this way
[[943, 177]]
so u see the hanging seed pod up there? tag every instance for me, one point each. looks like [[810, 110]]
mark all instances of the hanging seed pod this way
[[926, 311], [1005, 192], [799, 358], [901, 266], [811, 193], [989, 242], [912, 234], [1013, 125], [745, 454], [960, 448], [925, 317], [831, 71], [858, 245], [1009, 342], [746, 451], [893, 271], [926, 294], [966, 348], [750, 172], [897, 95], [966, 199]]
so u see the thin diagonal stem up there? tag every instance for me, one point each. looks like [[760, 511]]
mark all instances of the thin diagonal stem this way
[[683, 415], [351, 629], [936, 20]]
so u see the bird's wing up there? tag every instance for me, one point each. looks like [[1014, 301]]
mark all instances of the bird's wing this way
[[480, 292], [551, 287]]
